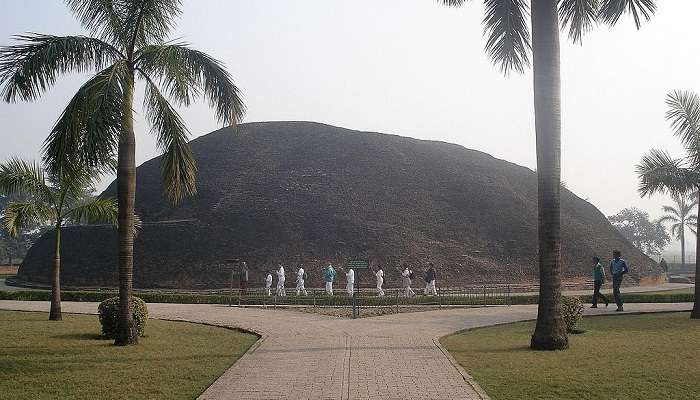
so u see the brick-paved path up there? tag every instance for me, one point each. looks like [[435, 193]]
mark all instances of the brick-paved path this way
[[308, 356]]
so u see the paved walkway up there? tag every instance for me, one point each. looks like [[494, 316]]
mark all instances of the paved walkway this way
[[308, 356]]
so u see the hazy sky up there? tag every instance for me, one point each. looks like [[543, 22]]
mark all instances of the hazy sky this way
[[413, 68]]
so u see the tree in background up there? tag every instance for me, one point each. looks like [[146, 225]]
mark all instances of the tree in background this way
[[54, 200], [648, 236], [680, 217], [659, 172], [14, 248], [129, 43], [508, 44]]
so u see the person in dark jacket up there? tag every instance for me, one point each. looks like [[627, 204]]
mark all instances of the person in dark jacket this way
[[598, 281], [618, 268], [430, 280]]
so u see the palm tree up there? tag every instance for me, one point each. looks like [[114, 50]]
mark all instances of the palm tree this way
[[660, 173], [681, 217], [509, 44], [129, 43], [53, 200]]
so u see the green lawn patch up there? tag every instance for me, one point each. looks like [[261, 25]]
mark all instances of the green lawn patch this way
[[69, 360], [652, 356]]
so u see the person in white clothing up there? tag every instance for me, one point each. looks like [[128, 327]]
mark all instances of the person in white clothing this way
[[300, 281], [406, 277], [350, 282], [380, 281], [268, 283], [280, 282]]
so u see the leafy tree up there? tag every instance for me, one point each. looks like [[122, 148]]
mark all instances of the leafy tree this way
[[129, 42], [509, 45], [681, 217], [54, 200], [648, 236], [13, 248], [659, 172]]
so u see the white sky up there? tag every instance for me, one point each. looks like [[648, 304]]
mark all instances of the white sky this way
[[414, 68]]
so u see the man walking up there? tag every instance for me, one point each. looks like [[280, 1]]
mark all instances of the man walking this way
[[380, 281], [406, 277], [598, 281], [329, 277], [430, 281], [244, 278], [268, 283], [301, 277], [350, 282], [618, 268], [280, 281]]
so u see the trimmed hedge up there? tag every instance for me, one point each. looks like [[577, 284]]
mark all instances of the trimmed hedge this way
[[108, 312], [571, 312]]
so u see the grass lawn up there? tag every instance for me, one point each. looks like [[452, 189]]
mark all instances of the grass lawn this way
[[653, 356], [69, 360]]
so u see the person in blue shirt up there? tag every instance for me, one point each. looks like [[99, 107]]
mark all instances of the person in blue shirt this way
[[618, 268]]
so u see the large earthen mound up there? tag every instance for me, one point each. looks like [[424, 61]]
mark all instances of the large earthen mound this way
[[301, 192]]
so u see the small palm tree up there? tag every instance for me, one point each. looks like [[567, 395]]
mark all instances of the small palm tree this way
[[659, 172], [509, 45], [129, 43], [51, 200], [680, 217]]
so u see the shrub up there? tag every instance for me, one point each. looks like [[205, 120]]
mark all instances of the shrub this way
[[109, 315], [572, 312]]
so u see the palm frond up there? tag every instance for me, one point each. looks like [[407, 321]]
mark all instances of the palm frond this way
[[676, 230], [579, 16], [177, 163], [88, 130], [659, 172], [507, 34], [612, 10], [103, 18], [668, 218], [22, 177], [97, 211], [149, 21], [24, 215], [29, 68], [185, 73], [684, 116]]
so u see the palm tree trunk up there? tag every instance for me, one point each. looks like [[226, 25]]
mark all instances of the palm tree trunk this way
[[550, 331], [695, 314], [55, 313], [683, 242], [126, 193]]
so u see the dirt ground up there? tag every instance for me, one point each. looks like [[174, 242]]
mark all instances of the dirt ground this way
[[8, 269], [365, 312]]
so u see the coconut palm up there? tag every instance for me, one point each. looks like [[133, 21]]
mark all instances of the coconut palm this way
[[659, 172], [509, 44], [129, 42], [680, 217], [51, 200]]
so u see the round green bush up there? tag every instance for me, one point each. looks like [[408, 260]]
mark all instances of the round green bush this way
[[109, 315], [572, 312]]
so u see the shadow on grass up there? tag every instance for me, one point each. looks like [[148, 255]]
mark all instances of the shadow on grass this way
[[81, 336]]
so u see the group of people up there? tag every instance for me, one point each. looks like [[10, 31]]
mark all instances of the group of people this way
[[330, 274], [618, 268]]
